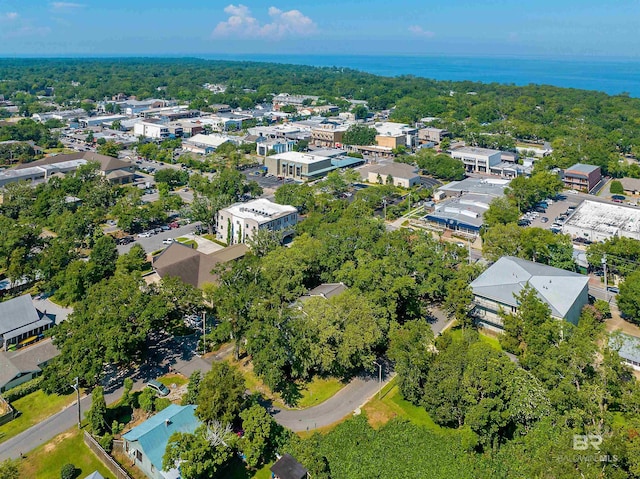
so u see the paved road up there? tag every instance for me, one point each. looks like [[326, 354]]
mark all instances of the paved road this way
[[154, 243], [345, 402]]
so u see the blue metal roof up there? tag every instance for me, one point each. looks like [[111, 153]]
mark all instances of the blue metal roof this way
[[629, 346], [346, 161], [153, 434]]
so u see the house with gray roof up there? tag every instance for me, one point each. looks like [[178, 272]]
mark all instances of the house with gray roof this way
[[287, 467], [17, 367], [145, 444], [20, 321], [495, 290], [628, 348]]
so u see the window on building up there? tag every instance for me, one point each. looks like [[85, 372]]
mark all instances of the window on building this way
[[139, 456]]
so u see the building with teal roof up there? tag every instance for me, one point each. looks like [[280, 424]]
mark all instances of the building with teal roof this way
[[145, 444]]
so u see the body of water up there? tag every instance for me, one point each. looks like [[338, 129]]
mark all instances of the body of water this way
[[613, 77]]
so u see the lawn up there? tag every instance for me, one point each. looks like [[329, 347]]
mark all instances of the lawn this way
[[46, 461], [33, 408], [391, 404], [187, 242], [311, 393], [173, 380], [485, 337]]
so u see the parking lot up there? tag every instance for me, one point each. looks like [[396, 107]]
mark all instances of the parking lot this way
[[154, 242], [266, 182], [554, 210]]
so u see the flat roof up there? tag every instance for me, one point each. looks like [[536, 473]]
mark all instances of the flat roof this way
[[297, 157], [487, 186], [606, 218], [474, 150], [582, 168], [260, 210]]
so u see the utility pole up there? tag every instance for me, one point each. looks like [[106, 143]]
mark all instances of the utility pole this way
[[604, 266], [77, 388]]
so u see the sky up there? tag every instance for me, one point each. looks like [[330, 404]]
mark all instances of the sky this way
[[520, 28]]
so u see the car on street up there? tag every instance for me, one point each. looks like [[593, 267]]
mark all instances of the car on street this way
[[167, 241], [158, 387], [613, 289]]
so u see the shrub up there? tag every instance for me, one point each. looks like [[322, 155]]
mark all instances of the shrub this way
[[68, 471], [147, 399], [106, 442], [23, 389], [616, 188], [161, 403]]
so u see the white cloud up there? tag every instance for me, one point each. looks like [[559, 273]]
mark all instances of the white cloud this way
[[66, 5], [9, 16], [241, 22], [421, 32]]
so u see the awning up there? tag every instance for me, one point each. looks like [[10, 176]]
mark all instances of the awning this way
[[16, 333]]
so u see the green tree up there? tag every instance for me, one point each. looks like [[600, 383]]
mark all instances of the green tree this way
[[134, 260], [629, 297], [102, 262], [412, 350], [109, 148], [9, 469], [147, 399], [501, 211], [220, 394], [125, 400], [359, 135], [193, 388], [97, 414], [440, 165], [259, 430], [264, 241], [68, 471], [200, 455]]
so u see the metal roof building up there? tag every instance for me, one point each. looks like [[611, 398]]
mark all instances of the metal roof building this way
[[564, 292], [598, 221]]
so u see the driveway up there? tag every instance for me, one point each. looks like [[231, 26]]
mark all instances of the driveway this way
[[344, 403], [45, 305]]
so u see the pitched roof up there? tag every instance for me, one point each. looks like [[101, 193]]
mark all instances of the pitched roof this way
[[95, 475], [16, 313], [628, 346], [397, 170], [153, 434], [192, 266], [556, 287], [25, 360], [328, 290], [288, 468]]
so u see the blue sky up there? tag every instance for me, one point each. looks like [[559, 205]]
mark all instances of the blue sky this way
[[470, 28]]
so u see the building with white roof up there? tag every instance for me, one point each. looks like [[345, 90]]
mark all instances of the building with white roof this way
[[598, 221], [477, 159], [239, 222], [392, 135], [299, 166], [204, 144], [564, 292]]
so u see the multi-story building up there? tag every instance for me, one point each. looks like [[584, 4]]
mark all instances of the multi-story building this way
[[392, 135], [279, 146], [582, 177], [479, 160], [298, 101], [434, 135], [298, 166], [495, 290], [327, 135], [239, 222], [150, 129]]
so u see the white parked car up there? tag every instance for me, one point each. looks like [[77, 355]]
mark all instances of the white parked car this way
[[146, 234], [167, 241]]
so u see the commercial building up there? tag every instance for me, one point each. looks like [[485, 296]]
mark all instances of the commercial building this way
[[391, 134], [399, 174], [146, 444], [479, 160], [461, 204], [150, 129], [328, 135], [582, 177], [239, 222], [204, 144], [494, 291], [631, 186], [113, 169], [299, 166], [598, 221], [279, 146], [105, 121], [284, 99], [434, 135]]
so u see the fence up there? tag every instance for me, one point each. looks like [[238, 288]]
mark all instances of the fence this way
[[7, 416], [111, 464]]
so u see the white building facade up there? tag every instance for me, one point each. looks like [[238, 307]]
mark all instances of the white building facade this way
[[239, 222]]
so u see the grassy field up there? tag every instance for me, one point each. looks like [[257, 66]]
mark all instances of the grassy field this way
[[33, 408], [171, 380], [391, 404], [485, 337], [46, 461]]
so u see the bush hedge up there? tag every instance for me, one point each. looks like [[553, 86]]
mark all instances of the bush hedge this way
[[23, 389]]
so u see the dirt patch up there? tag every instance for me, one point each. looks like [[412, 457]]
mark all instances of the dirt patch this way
[[51, 445]]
